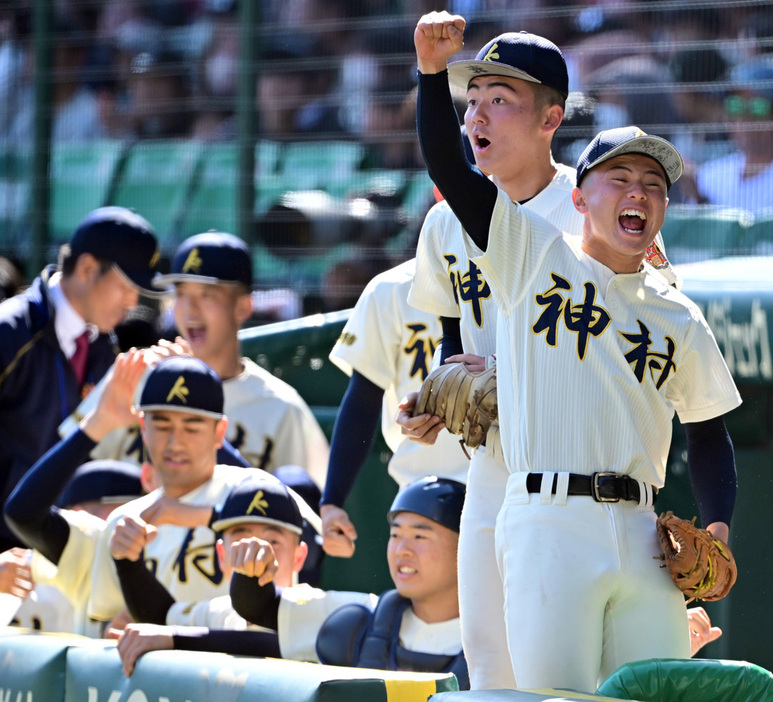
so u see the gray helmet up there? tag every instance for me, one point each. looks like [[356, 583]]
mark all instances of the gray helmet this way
[[438, 499]]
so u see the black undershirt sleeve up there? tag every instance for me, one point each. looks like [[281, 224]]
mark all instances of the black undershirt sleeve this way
[[146, 598], [451, 344], [711, 462], [235, 643], [357, 422], [468, 192], [30, 510], [258, 604]]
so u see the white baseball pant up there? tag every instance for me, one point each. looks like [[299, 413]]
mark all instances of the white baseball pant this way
[[584, 590], [481, 598]]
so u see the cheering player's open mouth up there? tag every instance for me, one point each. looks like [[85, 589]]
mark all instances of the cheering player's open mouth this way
[[632, 220]]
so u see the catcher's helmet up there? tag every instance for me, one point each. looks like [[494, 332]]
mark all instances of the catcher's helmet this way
[[438, 499]]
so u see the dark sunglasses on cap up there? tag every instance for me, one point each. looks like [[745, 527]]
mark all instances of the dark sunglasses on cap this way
[[757, 107]]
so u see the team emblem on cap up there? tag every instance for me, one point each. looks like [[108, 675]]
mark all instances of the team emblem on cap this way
[[259, 503], [155, 258], [179, 391], [490, 55], [193, 262]]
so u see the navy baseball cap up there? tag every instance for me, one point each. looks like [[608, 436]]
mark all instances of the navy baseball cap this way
[[261, 500], [123, 237], [519, 55], [630, 140], [212, 257], [104, 481], [438, 499], [184, 384]]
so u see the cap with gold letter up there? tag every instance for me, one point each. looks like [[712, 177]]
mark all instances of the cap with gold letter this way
[[184, 384]]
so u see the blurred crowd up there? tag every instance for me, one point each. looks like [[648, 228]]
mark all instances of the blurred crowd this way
[[142, 69], [343, 70]]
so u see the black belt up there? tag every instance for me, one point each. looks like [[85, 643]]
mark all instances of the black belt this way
[[602, 487]]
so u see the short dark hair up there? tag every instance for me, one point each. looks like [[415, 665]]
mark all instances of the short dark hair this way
[[67, 261], [545, 96]]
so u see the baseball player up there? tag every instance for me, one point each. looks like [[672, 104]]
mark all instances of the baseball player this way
[[414, 627], [183, 425], [96, 487], [386, 347], [511, 140], [56, 338], [269, 423], [609, 344], [258, 507]]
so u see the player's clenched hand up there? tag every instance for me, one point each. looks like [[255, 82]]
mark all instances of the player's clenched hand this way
[[137, 639], [254, 558], [129, 538], [167, 510], [701, 631], [338, 532], [423, 429], [437, 37], [15, 573]]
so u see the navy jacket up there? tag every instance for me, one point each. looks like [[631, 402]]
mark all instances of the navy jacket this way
[[38, 388]]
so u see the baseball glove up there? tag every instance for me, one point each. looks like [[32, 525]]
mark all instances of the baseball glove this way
[[701, 566], [466, 402]]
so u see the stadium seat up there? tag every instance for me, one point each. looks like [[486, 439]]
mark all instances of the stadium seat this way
[[418, 197], [320, 164], [156, 179], [81, 178], [760, 235], [14, 194]]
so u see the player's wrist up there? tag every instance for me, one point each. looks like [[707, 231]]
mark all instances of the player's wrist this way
[[432, 68]]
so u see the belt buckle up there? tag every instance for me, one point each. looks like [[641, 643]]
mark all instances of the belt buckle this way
[[595, 489]]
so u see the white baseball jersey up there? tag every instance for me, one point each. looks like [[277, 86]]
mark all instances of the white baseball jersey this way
[[448, 284], [72, 575], [45, 609], [303, 610], [392, 345], [268, 421], [217, 613], [271, 425], [613, 356], [184, 560]]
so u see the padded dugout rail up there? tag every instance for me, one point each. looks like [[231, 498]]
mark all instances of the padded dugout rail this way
[[73, 669]]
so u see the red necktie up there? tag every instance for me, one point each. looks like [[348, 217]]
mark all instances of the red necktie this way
[[78, 359]]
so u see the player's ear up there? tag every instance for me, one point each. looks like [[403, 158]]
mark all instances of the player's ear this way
[[301, 552], [554, 115], [243, 308], [220, 429], [578, 198], [220, 550]]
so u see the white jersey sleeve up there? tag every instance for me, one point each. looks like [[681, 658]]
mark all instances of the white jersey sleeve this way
[[72, 576], [392, 344], [303, 610], [216, 613]]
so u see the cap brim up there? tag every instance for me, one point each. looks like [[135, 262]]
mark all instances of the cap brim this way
[[222, 524], [664, 152], [460, 73], [168, 280], [142, 280], [180, 408]]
